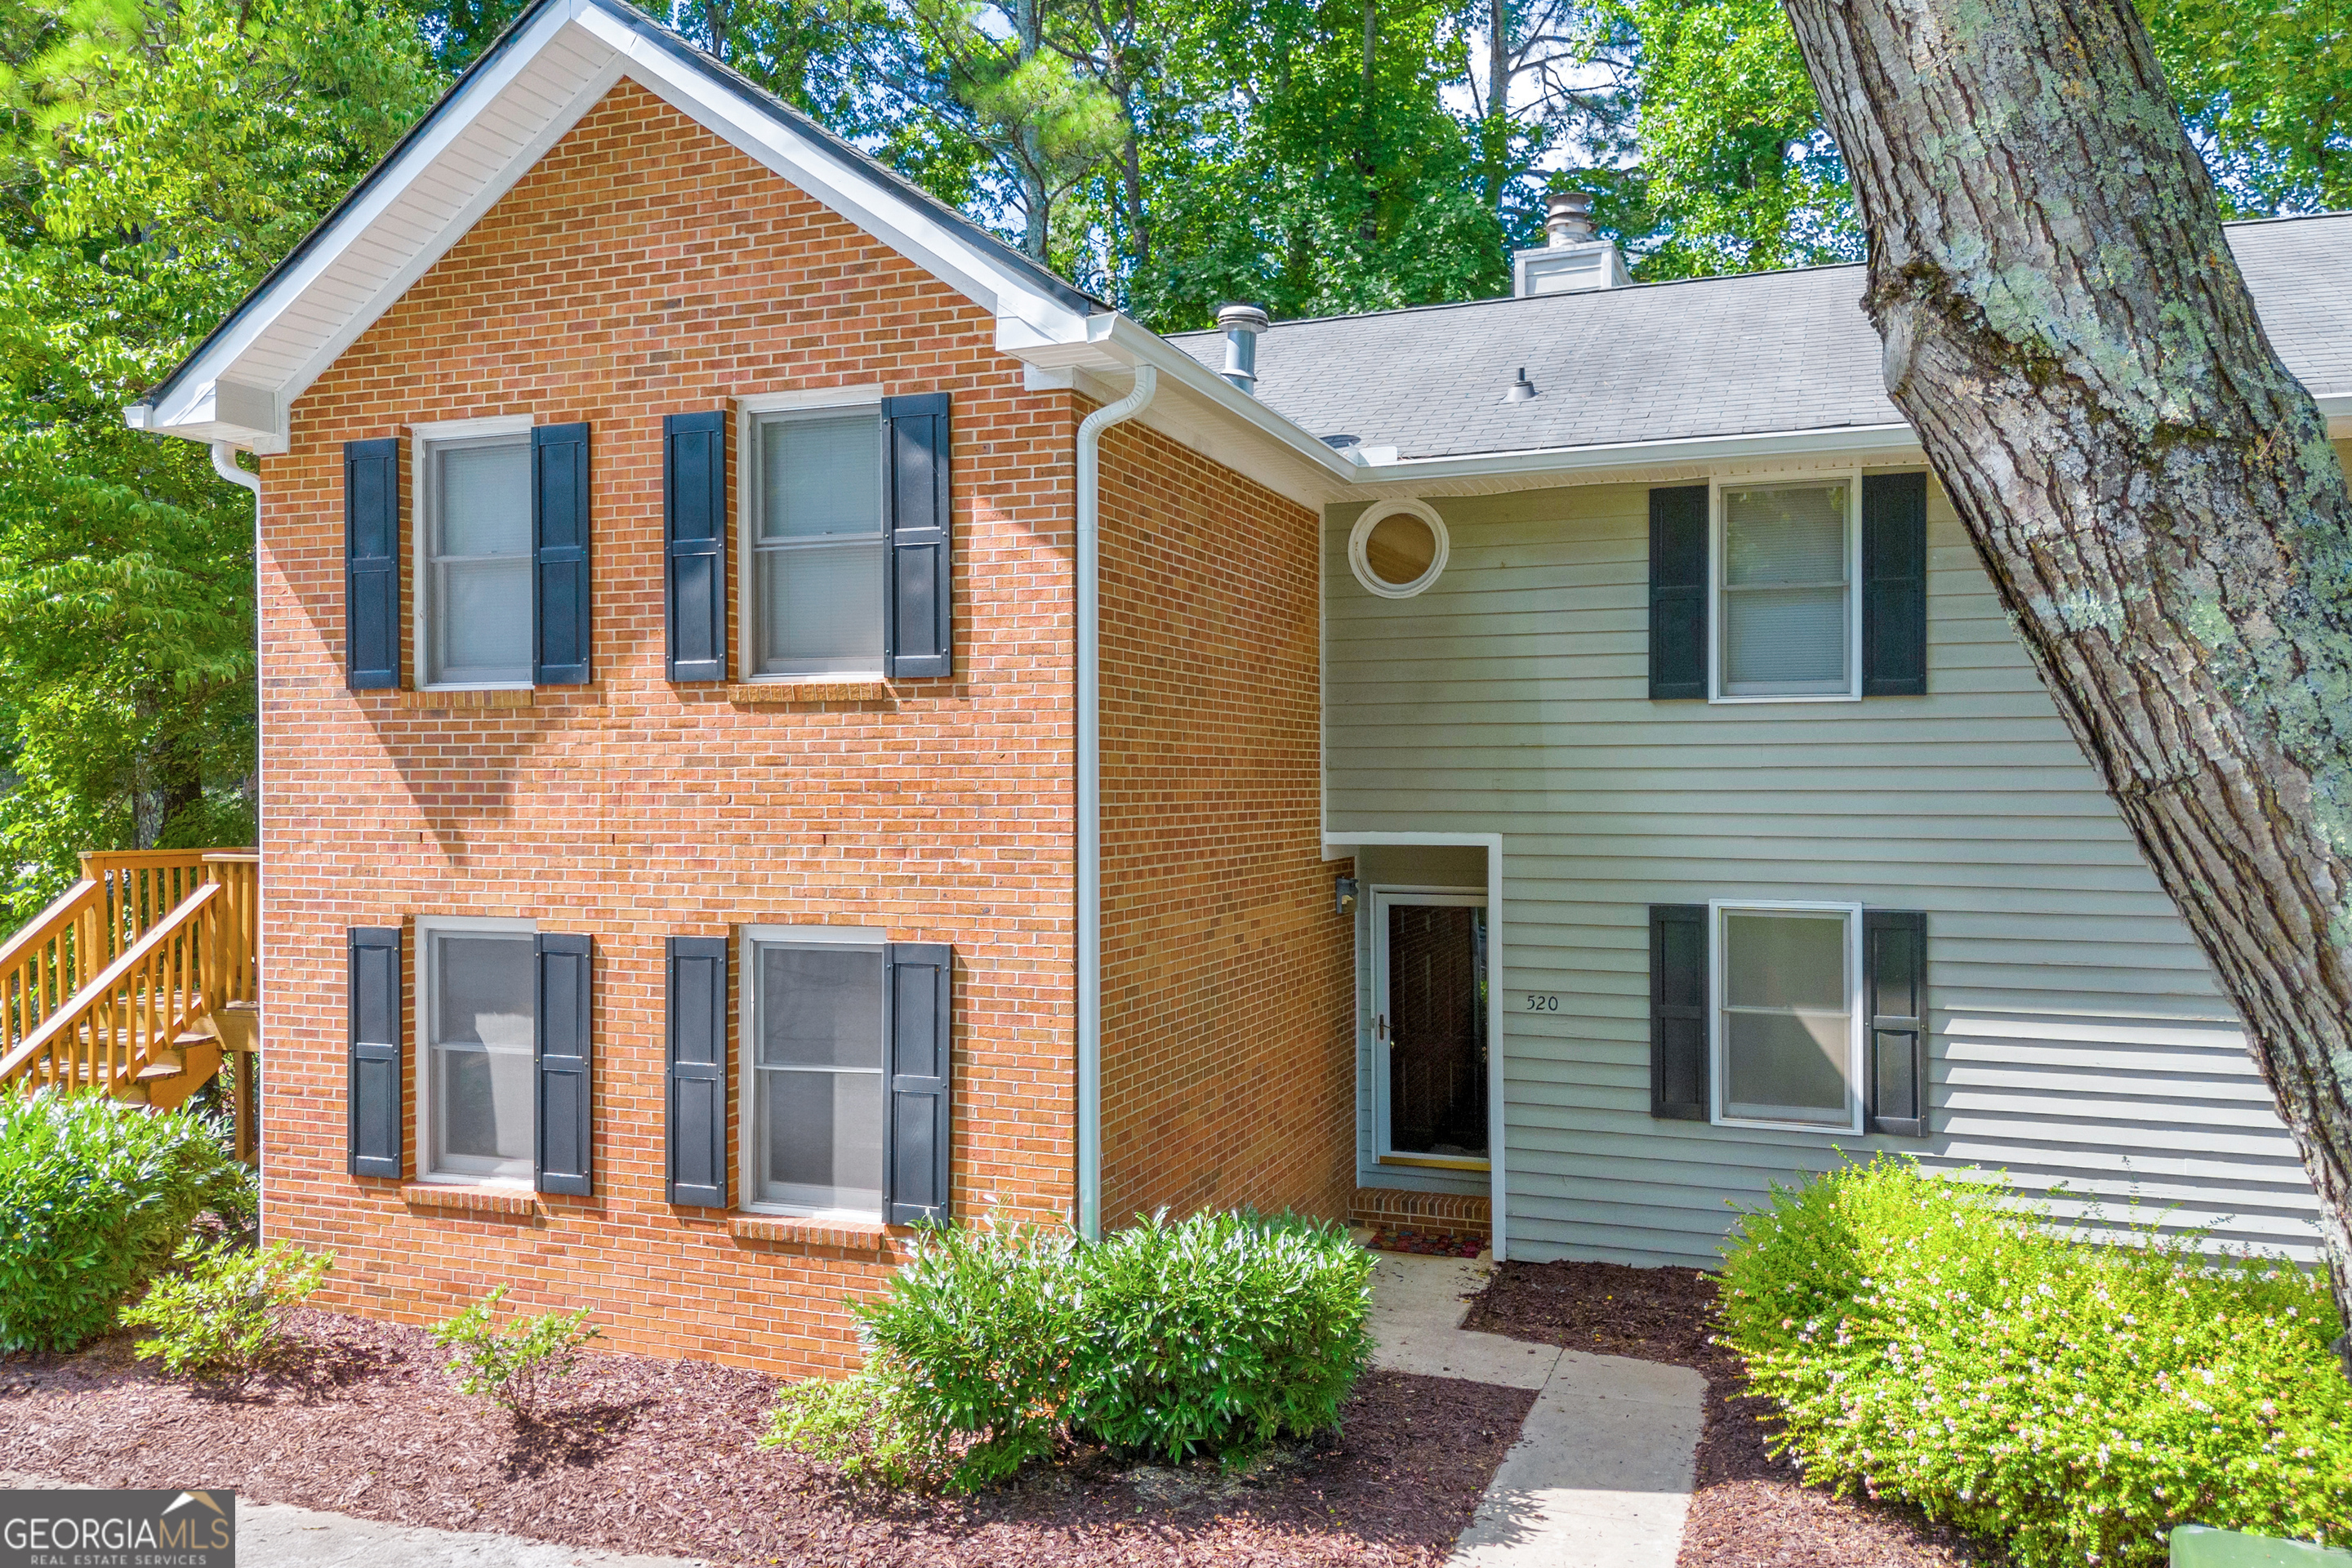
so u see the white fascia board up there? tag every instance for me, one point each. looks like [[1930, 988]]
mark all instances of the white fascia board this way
[[2336, 407], [190, 404], [1864, 442]]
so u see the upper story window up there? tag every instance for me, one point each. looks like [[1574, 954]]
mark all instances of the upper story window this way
[[816, 551], [1790, 619], [475, 610], [1798, 590]]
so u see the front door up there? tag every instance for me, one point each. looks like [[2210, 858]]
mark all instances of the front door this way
[[1429, 1031]]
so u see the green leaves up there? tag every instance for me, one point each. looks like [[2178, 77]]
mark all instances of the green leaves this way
[[94, 1196], [1220, 1333], [221, 1318], [1935, 1339], [514, 1369]]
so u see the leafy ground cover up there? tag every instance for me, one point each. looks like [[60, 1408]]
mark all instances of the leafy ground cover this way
[[1932, 1338], [1216, 1335], [1748, 1509], [94, 1198], [655, 1455]]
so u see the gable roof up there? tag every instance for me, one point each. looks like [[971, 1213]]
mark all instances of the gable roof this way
[[553, 63], [1708, 359]]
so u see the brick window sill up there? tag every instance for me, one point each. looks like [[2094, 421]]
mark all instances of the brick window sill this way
[[808, 693], [504, 697], [472, 1200], [851, 1236]]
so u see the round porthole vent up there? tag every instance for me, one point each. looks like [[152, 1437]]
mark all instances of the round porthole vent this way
[[1398, 548]]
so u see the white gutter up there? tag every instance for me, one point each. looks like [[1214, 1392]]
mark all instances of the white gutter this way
[[1090, 433], [224, 465]]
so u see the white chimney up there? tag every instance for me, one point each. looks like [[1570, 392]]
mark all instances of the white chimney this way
[[1573, 258], [1242, 323]]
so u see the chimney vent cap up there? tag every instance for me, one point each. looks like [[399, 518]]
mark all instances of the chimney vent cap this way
[[1242, 318], [1567, 217]]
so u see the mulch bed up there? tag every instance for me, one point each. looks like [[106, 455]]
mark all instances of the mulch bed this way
[[658, 1456], [1748, 1509]]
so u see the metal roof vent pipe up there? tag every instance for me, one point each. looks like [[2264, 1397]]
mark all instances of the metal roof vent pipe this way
[[1242, 324], [1568, 217]]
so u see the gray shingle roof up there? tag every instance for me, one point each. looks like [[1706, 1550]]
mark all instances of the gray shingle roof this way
[[1712, 356]]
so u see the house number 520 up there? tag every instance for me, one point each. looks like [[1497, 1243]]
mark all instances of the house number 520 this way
[[1542, 1004]]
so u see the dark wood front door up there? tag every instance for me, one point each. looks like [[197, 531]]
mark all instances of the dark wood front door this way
[[1434, 1023]]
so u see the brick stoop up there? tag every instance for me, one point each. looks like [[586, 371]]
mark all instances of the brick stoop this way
[[1441, 1213]]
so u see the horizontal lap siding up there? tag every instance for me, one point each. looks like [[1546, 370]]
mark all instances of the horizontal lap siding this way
[[2078, 1036]]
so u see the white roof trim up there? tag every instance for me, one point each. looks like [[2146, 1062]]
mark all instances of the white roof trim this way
[[473, 148]]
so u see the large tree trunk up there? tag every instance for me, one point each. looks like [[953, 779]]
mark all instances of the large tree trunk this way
[[2154, 495]]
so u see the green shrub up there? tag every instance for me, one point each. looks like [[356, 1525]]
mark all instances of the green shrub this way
[[222, 1317], [1937, 1340], [1222, 1332], [1218, 1333], [514, 1369], [94, 1196]]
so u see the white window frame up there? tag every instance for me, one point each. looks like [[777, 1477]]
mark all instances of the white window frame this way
[[1717, 559], [750, 939], [427, 442], [751, 491], [428, 995], [1382, 897], [1717, 993]]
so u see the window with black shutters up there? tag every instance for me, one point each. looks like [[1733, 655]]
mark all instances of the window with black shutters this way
[[502, 555], [844, 561], [846, 1077], [1799, 590]]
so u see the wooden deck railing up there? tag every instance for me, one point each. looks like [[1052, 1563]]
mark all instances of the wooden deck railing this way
[[133, 1011], [147, 943]]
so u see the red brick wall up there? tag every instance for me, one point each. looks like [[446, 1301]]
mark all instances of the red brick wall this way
[[1228, 1003], [646, 268]]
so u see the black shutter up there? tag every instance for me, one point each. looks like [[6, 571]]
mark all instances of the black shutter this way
[[559, 537], [372, 564], [916, 1144], [694, 544], [1894, 584], [918, 638], [1678, 985], [696, 1117], [565, 1087], [373, 1080], [1895, 990], [1678, 592]]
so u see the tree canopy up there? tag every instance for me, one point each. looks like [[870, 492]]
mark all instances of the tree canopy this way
[[1315, 156]]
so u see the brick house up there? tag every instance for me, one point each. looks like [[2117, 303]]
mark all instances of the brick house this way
[[781, 718]]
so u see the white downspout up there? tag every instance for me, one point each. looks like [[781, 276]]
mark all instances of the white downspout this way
[[224, 465], [1091, 433]]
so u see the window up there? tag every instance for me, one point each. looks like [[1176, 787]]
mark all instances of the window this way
[[1398, 548], [1786, 564], [816, 555], [475, 612], [813, 1075], [1787, 1042], [478, 1104]]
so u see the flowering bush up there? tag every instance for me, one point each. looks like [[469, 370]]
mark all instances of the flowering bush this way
[[1936, 1339]]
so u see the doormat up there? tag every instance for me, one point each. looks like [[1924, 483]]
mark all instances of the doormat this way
[[1428, 1244]]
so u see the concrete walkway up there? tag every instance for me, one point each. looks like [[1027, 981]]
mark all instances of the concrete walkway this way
[[1601, 1477], [280, 1535]]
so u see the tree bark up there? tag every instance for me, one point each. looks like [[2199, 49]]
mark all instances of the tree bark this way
[[2154, 495]]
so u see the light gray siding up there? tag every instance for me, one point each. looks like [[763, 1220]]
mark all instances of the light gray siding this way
[[2079, 1041]]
